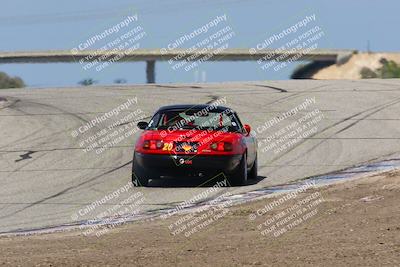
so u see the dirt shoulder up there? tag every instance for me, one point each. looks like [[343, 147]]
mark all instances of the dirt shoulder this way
[[350, 224], [352, 68]]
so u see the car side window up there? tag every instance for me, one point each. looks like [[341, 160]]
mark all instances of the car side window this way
[[154, 121], [239, 123]]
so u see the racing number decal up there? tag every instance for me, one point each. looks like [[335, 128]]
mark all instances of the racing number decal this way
[[167, 146]]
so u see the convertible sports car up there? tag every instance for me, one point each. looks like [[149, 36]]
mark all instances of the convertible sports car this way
[[194, 140]]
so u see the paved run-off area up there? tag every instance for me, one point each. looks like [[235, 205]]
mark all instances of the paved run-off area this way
[[47, 179]]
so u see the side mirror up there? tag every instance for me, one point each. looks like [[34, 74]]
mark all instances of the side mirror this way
[[247, 128], [142, 125]]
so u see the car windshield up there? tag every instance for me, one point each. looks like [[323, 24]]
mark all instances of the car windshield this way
[[200, 119]]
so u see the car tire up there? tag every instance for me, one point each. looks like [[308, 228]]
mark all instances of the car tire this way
[[253, 174], [139, 176], [239, 177]]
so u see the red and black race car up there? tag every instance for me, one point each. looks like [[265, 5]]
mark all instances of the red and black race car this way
[[194, 140]]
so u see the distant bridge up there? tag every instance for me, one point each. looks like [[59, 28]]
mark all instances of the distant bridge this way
[[150, 56]]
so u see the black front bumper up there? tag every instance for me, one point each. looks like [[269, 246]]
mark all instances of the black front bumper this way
[[171, 165]]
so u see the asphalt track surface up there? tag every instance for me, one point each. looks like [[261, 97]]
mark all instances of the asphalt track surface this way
[[46, 177]]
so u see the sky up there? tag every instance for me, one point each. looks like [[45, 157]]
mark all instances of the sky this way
[[52, 25]]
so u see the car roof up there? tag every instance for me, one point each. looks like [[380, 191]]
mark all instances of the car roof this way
[[192, 106]]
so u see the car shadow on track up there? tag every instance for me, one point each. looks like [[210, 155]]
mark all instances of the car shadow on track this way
[[255, 181], [195, 182]]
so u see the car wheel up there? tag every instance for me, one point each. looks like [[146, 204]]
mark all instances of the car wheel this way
[[253, 171], [139, 175], [239, 177]]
